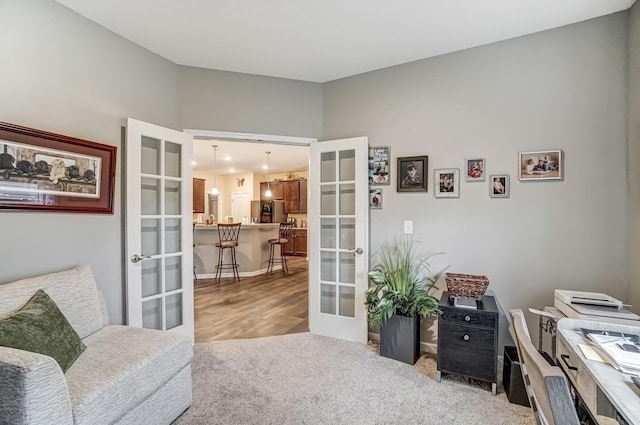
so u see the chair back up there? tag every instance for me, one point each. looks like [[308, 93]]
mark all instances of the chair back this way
[[547, 386], [229, 232], [285, 230]]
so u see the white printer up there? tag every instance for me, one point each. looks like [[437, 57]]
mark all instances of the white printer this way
[[593, 306]]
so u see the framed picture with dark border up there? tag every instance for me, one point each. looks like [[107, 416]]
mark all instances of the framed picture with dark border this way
[[379, 165], [499, 186], [447, 183], [44, 171], [375, 199], [412, 173], [540, 165], [475, 169]]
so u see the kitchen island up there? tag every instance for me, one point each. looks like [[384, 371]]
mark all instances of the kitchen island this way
[[252, 252]]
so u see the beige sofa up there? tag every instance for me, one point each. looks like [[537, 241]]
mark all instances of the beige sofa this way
[[125, 375]]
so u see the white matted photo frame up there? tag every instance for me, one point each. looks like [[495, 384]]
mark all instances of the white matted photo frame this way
[[375, 199], [379, 165], [447, 183], [499, 186], [541, 165], [475, 169]]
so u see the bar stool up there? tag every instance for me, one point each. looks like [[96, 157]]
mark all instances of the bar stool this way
[[228, 239], [284, 232]]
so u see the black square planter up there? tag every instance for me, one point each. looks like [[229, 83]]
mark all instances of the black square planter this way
[[400, 339], [512, 379]]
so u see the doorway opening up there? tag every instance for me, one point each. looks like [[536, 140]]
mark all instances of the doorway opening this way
[[258, 305]]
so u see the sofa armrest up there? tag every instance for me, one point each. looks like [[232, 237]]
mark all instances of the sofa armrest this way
[[34, 389]]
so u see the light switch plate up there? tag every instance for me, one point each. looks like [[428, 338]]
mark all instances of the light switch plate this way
[[408, 227]]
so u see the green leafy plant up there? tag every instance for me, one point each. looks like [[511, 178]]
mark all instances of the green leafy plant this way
[[401, 282]]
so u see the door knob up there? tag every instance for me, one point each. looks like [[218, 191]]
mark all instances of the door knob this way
[[135, 258], [357, 251]]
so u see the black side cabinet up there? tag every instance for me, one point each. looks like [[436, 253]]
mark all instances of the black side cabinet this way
[[468, 340]]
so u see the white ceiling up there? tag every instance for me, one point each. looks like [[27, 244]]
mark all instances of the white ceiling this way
[[323, 40], [248, 157]]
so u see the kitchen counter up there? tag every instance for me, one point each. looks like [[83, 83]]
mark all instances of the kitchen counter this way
[[252, 252]]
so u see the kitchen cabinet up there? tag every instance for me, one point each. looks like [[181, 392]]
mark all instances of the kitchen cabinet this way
[[297, 244], [277, 190], [198, 196], [295, 196]]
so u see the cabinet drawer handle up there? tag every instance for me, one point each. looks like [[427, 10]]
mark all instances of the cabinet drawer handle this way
[[467, 318], [564, 359], [466, 337]]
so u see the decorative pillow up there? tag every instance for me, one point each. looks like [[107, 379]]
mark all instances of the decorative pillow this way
[[40, 327]]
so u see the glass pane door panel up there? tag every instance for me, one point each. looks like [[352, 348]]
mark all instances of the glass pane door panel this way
[[173, 310], [172, 159], [152, 314], [348, 199], [328, 299], [172, 232], [172, 197], [328, 200], [150, 194], [347, 165], [173, 273], [150, 232], [347, 233], [328, 233], [347, 267], [328, 167], [151, 277], [328, 266], [347, 303], [150, 156]]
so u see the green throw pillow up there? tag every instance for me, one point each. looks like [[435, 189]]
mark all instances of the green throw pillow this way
[[40, 327]]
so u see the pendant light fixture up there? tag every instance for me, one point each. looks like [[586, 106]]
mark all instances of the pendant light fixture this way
[[214, 189], [268, 193]]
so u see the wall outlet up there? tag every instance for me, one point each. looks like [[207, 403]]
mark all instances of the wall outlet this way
[[408, 227]]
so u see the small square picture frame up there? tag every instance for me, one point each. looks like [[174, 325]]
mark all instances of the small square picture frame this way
[[499, 186], [375, 198], [447, 183], [474, 169], [412, 173]]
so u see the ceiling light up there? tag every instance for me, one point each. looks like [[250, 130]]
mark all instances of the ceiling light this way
[[214, 189], [227, 158], [231, 170], [265, 167], [268, 193], [193, 163]]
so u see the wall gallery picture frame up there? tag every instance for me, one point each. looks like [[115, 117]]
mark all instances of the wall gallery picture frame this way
[[412, 173], [447, 183], [379, 165], [475, 169], [43, 171], [499, 186], [375, 199], [541, 165]]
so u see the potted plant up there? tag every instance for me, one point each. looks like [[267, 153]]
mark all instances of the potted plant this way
[[399, 296]]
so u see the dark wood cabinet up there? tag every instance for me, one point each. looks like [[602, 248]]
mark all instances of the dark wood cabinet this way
[[277, 190], [198, 196], [297, 245], [295, 196], [468, 340]]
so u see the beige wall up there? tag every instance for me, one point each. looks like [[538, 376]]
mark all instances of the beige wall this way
[[633, 128]]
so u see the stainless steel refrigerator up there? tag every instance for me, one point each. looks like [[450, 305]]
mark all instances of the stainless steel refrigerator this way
[[268, 211]]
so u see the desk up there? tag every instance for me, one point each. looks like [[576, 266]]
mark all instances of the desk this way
[[606, 392]]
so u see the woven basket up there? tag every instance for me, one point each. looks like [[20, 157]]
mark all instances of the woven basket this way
[[466, 285]]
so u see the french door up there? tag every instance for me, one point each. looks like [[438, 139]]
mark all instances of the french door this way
[[159, 248], [339, 235]]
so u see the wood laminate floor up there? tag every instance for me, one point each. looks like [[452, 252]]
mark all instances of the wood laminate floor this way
[[254, 307]]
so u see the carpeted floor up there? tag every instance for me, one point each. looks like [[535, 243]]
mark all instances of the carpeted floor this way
[[308, 379]]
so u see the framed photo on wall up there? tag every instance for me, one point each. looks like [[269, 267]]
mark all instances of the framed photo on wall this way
[[475, 169], [375, 199], [379, 165], [447, 183], [540, 165], [499, 186], [412, 173]]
